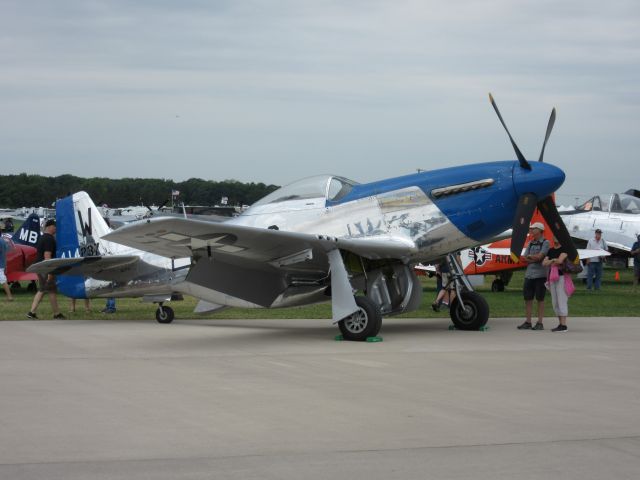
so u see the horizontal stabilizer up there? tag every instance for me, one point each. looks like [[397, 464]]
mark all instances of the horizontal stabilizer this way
[[101, 268]]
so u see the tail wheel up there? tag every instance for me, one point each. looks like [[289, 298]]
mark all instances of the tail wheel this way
[[164, 314], [364, 323], [470, 314]]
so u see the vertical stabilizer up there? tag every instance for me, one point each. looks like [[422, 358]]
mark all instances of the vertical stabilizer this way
[[29, 231], [80, 227]]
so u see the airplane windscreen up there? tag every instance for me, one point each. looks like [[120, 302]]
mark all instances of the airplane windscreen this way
[[627, 204], [339, 187], [593, 204]]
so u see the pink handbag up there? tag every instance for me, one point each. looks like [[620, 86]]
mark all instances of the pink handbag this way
[[554, 275], [569, 287]]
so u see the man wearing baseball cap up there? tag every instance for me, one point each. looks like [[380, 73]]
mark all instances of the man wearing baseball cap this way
[[46, 283], [594, 264], [535, 276]]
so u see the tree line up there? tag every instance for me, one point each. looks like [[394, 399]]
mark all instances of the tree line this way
[[25, 190]]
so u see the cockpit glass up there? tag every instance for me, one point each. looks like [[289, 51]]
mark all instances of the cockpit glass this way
[[592, 204], [338, 188], [320, 186], [629, 203]]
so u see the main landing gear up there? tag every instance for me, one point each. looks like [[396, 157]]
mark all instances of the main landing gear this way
[[364, 323], [164, 314], [469, 310]]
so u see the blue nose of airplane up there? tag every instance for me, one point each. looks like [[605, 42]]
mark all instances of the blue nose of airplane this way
[[542, 180]]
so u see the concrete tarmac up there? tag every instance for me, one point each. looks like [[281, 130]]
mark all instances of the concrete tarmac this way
[[280, 399]]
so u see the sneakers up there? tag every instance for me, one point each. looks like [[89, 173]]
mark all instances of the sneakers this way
[[32, 316], [525, 326], [560, 328], [435, 306], [59, 316], [538, 326]]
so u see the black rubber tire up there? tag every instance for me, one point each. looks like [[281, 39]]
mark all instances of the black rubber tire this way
[[32, 287], [497, 285], [476, 314], [164, 314], [364, 323]]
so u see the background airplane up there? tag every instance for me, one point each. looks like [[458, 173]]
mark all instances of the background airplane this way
[[495, 258], [22, 251], [616, 214]]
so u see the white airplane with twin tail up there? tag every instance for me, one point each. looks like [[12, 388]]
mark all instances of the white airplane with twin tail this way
[[324, 238]]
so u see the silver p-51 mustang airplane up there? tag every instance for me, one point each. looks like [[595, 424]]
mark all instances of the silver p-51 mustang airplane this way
[[324, 237]]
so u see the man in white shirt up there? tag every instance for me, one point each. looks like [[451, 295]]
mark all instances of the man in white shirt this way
[[594, 267]]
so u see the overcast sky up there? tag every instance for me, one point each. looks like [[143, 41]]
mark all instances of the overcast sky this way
[[272, 91]]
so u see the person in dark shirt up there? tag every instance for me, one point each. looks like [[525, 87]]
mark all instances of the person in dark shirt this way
[[635, 253], [46, 283], [555, 258]]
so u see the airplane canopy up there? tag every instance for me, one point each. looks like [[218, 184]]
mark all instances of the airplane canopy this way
[[330, 187], [614, 203]]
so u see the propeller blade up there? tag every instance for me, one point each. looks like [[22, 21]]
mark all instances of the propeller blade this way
[[524, 212], [552, 121], [521, 159], [550, 213]]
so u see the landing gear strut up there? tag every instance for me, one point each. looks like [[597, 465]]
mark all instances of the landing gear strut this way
[[164, 314]]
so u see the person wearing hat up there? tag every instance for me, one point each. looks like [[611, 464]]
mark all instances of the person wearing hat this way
[[46, 283], [535, 276], [594, 265], [635, 252]]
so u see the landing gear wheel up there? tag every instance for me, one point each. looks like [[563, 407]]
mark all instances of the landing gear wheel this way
[[364, 323], [497, 285], [32, 287], [472, 313], [164, 314]]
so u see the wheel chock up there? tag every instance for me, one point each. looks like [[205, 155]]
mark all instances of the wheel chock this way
[[484, 328], [340, 338]]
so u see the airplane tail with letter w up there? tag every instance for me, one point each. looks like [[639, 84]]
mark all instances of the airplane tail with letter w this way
[[87, 265]]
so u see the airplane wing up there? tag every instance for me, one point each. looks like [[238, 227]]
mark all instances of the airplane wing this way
[[583, 254], [257, 265], [619, 246], [100, 268], [179, 237]]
